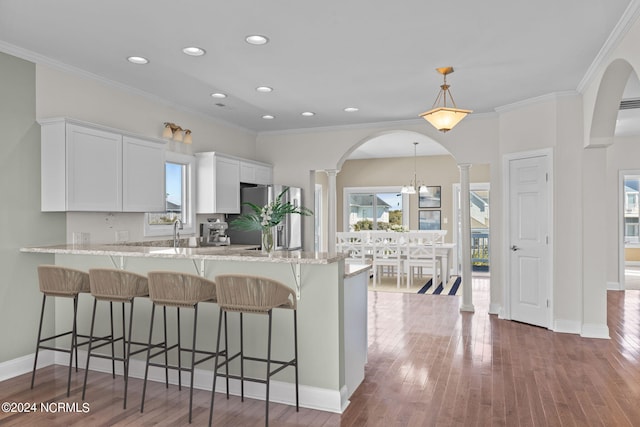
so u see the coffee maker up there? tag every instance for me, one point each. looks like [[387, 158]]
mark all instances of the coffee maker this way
[[213, 233]]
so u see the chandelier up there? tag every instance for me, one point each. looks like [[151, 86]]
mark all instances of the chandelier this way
[[442, 117], [411, 188]]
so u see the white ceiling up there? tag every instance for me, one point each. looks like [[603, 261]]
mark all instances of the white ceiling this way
[[323, 56]]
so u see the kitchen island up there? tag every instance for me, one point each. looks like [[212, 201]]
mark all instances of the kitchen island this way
[[332, 311]]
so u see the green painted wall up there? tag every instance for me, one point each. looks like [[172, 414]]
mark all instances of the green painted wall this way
[[21, 222]]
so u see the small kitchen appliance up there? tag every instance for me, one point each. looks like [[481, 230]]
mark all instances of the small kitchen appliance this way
[[213, 233]]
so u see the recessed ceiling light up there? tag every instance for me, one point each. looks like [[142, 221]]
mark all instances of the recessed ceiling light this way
[[218, 95], [308, 113], [194, 51], [264, 89], [138, 60], [256, 39], [351, 109], [268, 117]]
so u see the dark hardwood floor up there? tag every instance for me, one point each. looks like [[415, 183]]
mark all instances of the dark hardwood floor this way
[[429, 365]]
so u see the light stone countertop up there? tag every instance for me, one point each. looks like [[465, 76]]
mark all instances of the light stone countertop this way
[[221, 253], [351, 270]]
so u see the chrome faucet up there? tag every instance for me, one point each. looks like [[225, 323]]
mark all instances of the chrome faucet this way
[[177, 225]]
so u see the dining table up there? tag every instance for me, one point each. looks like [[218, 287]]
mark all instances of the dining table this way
[[365, 239]]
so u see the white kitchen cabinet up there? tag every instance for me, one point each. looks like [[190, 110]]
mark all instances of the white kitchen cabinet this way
[[143, 175], [218, 183], [82, 169], [255, 173]]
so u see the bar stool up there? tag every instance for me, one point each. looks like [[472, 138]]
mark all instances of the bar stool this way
[[258, 295], [56, 281], [111, 285], [179, 290]]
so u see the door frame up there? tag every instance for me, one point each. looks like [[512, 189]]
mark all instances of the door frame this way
[[621, 284], [457, 210], [506, 159]]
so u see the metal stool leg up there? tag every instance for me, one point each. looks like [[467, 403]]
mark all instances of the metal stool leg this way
[[35, 360], [86, 369], [295, 349], [128, 353], [113, 346], [146, 369], [179, 353], [266, 417], [241, 361], [215, 365], [166, 355], [73, 342], [193, 358]]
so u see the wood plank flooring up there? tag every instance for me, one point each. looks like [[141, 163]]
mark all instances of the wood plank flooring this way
[[429, 365]]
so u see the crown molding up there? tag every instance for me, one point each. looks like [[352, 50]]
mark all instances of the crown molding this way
[[628, 18]]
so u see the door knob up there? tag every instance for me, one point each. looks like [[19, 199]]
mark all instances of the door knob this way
[[515, 248]]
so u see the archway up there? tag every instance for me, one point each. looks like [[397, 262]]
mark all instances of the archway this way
[[596, 227], [403, 140]]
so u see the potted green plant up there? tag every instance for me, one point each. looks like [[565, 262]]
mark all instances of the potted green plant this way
[[265, 218]]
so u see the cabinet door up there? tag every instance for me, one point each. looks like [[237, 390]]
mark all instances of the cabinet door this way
[[263, 175], [94, 170], [247, 173], [143, 180], [227, 185]]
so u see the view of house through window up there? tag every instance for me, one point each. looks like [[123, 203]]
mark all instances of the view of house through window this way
[[631, 209], [375, 211], [175, 176]]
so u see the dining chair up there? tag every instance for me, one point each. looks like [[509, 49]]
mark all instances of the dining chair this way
[[420, 253], [353, 244], [387, 252]]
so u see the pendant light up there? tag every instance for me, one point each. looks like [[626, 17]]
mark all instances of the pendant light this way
[[411, 188], [442, 117]]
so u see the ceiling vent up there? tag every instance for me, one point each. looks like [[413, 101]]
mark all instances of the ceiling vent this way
[[630, 104]]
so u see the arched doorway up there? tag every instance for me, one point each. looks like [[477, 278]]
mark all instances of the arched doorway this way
[[397, 167]]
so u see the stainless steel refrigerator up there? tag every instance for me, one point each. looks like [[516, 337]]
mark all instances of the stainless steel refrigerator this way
[[287, 235]]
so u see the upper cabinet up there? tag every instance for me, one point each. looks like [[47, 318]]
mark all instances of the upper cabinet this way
[[218, 178], [142, 180], [256, 173], [90, 168]]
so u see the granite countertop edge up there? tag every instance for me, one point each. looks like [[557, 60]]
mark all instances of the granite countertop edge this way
[[222, 253]]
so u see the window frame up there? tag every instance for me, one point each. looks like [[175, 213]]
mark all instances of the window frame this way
[[189, 212], [347, 191]]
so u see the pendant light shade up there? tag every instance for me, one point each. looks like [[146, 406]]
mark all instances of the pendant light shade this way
[[442, 117]]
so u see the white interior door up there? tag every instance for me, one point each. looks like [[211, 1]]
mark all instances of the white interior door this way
[[529, 249]]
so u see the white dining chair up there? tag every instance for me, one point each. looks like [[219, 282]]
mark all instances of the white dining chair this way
[[420, 253], [353, 243], [387, 252]]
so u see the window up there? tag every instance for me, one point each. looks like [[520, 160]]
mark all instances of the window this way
[[179, 202], [374, 209]]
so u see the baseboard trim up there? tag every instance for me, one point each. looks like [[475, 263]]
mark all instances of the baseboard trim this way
[[614, 286], [495, 308], [321, 399], [22, 365], [565, 326], [595, 330]]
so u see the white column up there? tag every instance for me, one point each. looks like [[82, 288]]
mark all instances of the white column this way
[[331, 209], [465, 238]]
